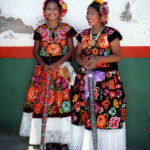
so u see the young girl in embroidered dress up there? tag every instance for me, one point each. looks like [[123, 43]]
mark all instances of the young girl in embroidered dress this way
[[98, 50], [49, 86]]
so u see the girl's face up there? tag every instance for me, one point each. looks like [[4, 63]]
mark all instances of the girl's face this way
[[52, 11], [93, 17]]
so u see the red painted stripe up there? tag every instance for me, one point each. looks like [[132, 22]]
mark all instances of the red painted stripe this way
[[16, 52], [135, 52], [26, 52]]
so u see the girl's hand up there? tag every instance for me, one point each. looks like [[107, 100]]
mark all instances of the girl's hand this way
[[53, 67], [45, 67], [92, 62], [84, 62]]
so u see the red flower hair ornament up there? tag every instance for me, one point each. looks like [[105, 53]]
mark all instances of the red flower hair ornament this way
[[104, 10]]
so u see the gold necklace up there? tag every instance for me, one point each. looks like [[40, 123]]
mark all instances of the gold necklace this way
[[92, 41]]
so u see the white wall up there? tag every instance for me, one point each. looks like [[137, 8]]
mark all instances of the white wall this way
[[135, 33]]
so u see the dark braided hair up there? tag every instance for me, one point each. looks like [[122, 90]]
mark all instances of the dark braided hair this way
[[96, 6]]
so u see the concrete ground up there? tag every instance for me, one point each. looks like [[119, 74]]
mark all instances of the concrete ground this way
[[14, 142]]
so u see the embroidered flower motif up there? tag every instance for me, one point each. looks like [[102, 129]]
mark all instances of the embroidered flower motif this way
[[118, 86], [112, 94], [85, 117], [123, 114], [111, 84], [95, 51], [57, 40], [85, 41], [106, 53], [50, 40], [115, 103], [63, 43], [104, 85], [66, 106], [54, 49], [96, 94], [64, 84], [102, 41], [86, 32], [101, 121], [58, 98], [88, 123], [101, 109], [62, 32], [105, 92], [101, 52], [81, 82], [119, 93], [50, 97], [78, 105], [112, 111], [66, 94], [45, 44], [31, 95], [75, 98], [105, 104], [111, 31], [114, 122], [81, 88], [37, 108], [44, 33], [54, 109]]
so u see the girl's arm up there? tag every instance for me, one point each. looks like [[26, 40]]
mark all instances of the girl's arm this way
[[79, 60], [36, 53]]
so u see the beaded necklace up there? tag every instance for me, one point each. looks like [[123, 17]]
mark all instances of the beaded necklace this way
[[92, 41]]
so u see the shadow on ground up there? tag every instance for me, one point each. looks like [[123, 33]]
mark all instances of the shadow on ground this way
[[14, 142]]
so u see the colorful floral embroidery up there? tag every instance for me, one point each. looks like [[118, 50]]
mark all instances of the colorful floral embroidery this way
[[59, 104], [56, 46], [109, 96]]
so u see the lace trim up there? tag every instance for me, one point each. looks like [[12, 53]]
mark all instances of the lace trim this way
[[58, 130], [25, 124]]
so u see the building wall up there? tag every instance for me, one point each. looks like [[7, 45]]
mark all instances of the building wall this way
[[18, 19]]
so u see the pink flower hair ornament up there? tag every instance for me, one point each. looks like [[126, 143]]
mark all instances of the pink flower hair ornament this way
[[63, 8], [104, 11]]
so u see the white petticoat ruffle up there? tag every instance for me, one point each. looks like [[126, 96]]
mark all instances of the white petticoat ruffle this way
[[25, 126], [107, 139], [58, 130]]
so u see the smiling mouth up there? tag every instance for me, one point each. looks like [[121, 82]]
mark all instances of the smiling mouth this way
[[89, 20]]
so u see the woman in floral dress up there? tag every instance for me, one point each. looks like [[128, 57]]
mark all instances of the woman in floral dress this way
[[56, 39], [98, 49]]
